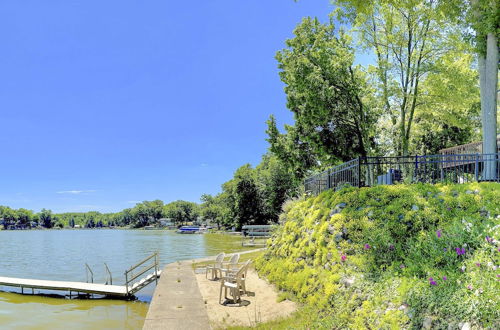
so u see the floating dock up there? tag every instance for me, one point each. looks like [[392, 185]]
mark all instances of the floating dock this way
[[148, 268]]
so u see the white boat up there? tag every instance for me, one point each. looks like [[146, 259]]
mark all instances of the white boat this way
[[191, 230]]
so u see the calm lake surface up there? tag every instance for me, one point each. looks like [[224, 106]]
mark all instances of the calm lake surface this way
[[62, 254]]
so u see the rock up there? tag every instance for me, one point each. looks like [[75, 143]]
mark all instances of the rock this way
[[334, 211], [465, 326], [401, 217], [338, 237], [347, 282], [329, 256], [331, 229], [415, 208], [370, 214], [299, 259], [360, 208], [341, 205], [427, 324], [327, 266], [469, 192]]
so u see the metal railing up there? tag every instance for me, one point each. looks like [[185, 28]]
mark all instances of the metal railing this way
[[89, 273], [140, 269], [109, 277], [445, 168]]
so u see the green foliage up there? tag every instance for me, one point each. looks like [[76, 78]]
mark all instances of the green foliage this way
[[324, 91], [365, 256], [181, 211], [252, 196]]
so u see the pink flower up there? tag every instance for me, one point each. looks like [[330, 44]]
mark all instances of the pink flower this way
[[401, 266], [343, 258], [478, 264], [469, 287], [445, 278], [438, 233], [431, 281], [367, 246]]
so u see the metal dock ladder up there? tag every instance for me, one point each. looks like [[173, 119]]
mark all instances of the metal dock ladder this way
[[149, 266]]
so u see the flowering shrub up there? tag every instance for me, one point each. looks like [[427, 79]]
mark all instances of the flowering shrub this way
[[391, 256]]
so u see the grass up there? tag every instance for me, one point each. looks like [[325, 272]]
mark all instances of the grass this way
[[243, 257]]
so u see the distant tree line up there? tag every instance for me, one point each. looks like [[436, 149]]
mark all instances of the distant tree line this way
[[142, 214]]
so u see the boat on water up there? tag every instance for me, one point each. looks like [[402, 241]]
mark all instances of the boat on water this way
[[192, 230]]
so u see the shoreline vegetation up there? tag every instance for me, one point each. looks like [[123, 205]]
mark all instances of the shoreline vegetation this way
[[402, 256]]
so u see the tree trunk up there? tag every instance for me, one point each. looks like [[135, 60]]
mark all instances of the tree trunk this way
[[488, 79]]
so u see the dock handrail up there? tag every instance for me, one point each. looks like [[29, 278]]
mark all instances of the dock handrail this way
[[89, 271], [129, 276], [109, 279]]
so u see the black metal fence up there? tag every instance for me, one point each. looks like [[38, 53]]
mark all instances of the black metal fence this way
[[369, 171]]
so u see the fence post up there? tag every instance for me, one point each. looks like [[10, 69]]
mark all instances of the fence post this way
[[359, 171], [476, 169]]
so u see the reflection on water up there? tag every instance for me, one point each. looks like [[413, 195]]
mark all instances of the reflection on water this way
[[62, 254]]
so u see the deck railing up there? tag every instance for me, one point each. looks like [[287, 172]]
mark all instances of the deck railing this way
[[369, 171]]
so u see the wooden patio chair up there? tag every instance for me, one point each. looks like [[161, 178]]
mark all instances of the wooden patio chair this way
[[216, 266], [234, 283]]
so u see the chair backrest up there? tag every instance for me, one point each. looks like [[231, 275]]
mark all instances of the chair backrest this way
[[242, 272], [220, 258], [234, 259]]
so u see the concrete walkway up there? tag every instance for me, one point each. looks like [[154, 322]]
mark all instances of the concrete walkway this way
[[177, 302]]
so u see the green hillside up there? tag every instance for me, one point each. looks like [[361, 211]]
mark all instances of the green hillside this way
[[402, 256]]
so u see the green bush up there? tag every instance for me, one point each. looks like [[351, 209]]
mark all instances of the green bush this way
[[386, 256]]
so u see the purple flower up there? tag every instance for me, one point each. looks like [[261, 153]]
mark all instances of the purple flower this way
[[367, 246], [469, 287], [463, 250], [445, 278], [401, 266], [343, 257], [438, 233], [460, 251], [478, 264], [391, 247], [445, 249], [488, 239], [431, 281], [448, 208]]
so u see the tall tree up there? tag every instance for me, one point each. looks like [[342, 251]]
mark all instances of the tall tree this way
[[406, 37], [485, 18], [324, 91], [46, 218]]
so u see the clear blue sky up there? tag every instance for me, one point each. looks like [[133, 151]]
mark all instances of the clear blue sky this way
[[105, 103]]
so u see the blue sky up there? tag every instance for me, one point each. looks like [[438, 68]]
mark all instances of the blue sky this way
[[105, 103]]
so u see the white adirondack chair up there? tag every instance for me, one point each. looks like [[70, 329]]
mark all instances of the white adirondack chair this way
[[231, 265], [216, 266], [235, 283]]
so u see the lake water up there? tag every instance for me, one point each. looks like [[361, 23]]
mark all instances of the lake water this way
[[62, 254]]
